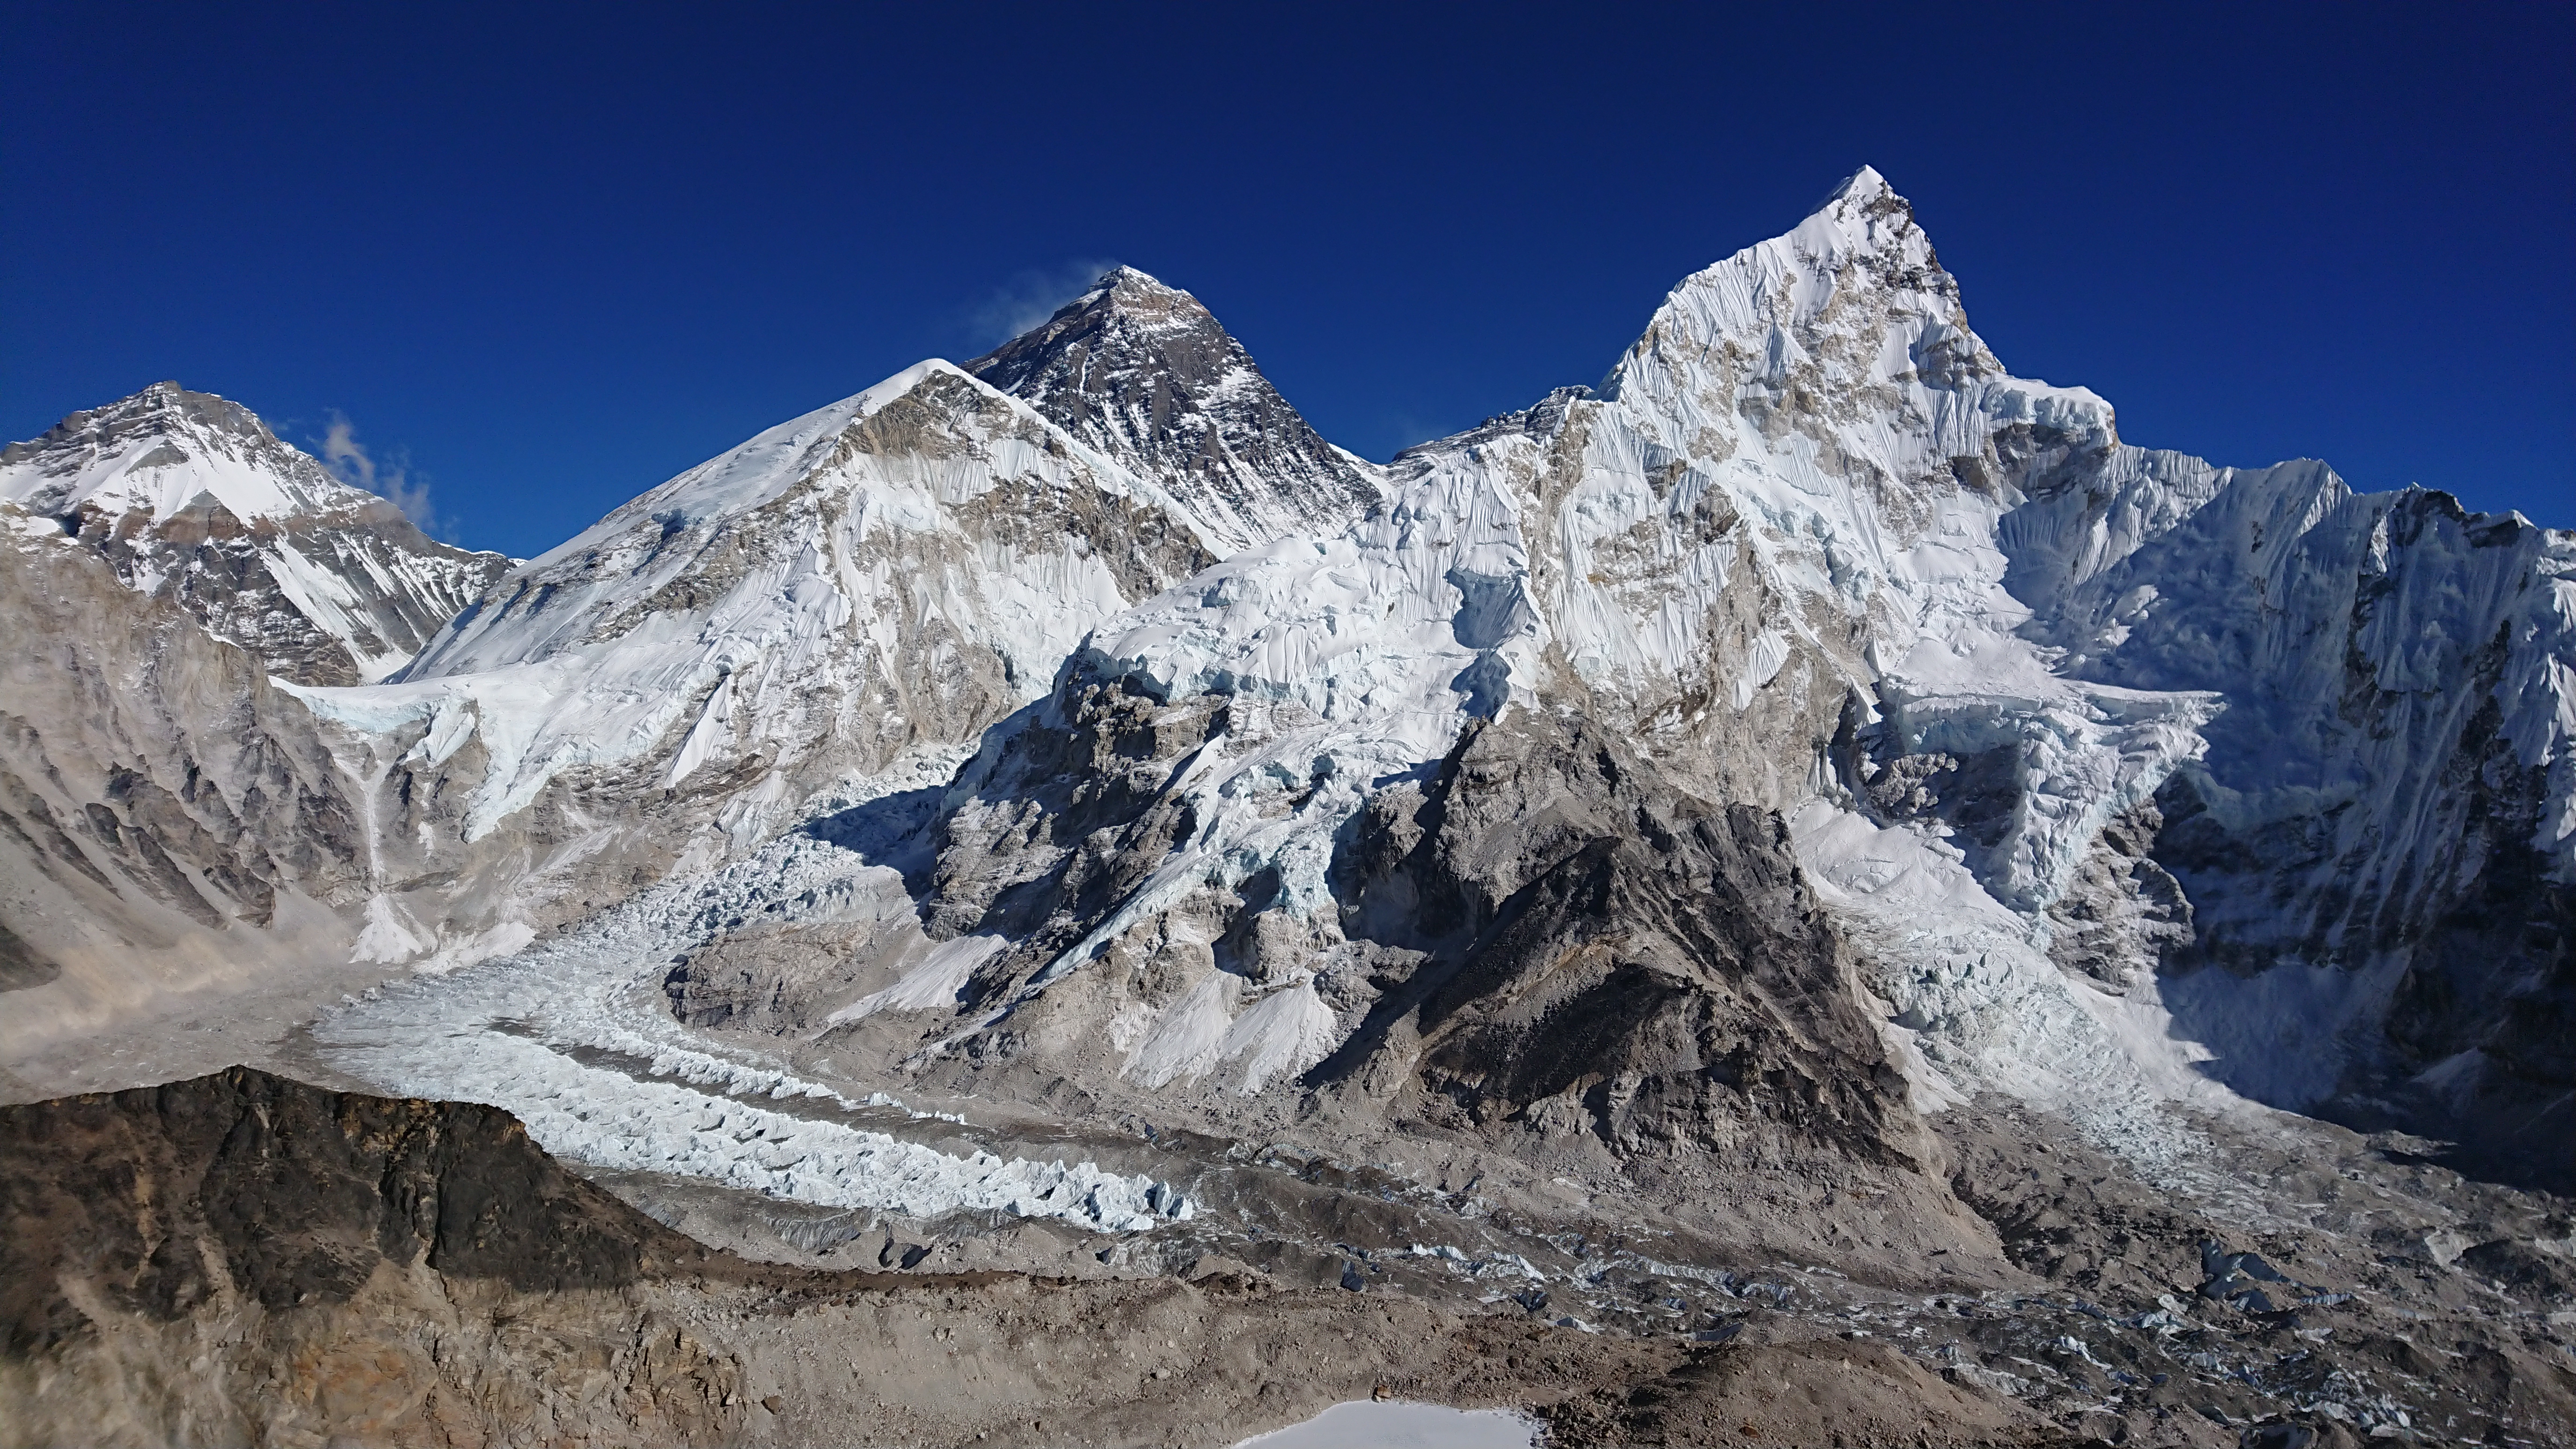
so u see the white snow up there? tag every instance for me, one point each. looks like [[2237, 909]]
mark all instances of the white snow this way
[[1989, 623], [146, 459], [1402, 1424], [931, 983], [162, 472], [541, 1033], [730, 612]]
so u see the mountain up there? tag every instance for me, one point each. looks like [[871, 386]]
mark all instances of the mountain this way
[[2095, 756], [1814, 830], [1143, 373], [883, 576], [859, 591], [193, 499], [2076, 744], [172, 821]]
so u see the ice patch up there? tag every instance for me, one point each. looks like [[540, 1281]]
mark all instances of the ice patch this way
[[391, 934], [929, 984], [1398, 1424]]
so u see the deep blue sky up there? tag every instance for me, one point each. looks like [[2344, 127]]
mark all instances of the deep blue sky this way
[[554, 254]]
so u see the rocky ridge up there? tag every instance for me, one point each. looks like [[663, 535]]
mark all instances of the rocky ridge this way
[[171, 818]]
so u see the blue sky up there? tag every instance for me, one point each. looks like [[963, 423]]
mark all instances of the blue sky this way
[[538, 258]]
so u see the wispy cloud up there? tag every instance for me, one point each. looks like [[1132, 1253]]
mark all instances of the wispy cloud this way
[[1029, 297], [390, 480]]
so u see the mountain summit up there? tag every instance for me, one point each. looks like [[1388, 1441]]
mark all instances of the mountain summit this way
[[1144, 373], [192, 498]]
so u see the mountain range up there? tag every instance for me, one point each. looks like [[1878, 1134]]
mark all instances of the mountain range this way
[[1754, 800]]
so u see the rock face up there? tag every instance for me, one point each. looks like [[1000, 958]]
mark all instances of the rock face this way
[[1603, 954], [169, 816], [863, 589], [1143, 373], [899, 569], [192, 499]]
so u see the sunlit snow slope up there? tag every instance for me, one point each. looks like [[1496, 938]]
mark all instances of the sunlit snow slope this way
[[898, 569]]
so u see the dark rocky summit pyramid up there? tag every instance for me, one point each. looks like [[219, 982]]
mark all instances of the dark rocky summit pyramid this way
[[1144, 373]]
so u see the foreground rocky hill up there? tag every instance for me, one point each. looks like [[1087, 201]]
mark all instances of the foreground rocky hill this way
[[244, 1259], [240, 1259]]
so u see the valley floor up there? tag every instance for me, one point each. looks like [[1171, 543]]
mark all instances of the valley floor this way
[[901, 1271]]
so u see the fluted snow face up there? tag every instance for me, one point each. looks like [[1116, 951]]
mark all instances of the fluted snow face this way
[[192, 498]]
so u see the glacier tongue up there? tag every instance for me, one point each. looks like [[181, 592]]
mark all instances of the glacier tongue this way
[[557, 1036]]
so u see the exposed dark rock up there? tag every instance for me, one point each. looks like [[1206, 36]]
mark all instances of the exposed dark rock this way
[[1597, 947]]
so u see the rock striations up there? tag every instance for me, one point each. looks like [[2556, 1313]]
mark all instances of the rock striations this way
[[172, 819]]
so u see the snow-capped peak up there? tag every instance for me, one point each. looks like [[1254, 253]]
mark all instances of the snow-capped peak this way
[[192, 497], [161, 450], [1813, 547], [892, 572]]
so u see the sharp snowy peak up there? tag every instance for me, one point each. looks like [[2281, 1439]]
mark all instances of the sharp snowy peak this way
[[2082, 744], [1143, 373], [193, 499]]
